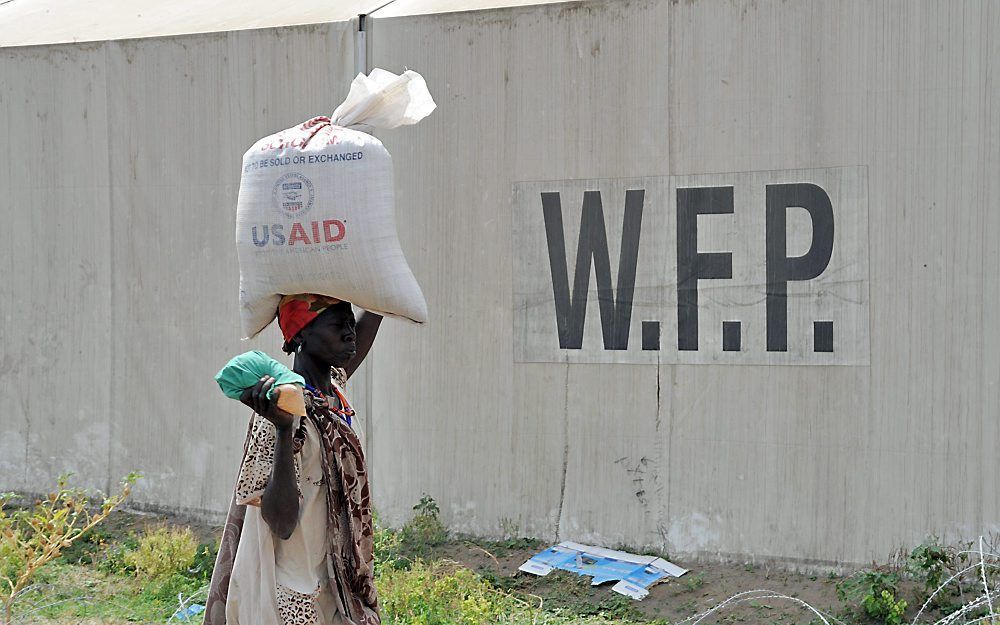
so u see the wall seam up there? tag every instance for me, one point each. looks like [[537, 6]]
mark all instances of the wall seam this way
[[565, 458], [363, 64], [663, 523], [112, 368]]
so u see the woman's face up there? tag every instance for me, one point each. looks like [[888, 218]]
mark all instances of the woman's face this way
[[331, 336]]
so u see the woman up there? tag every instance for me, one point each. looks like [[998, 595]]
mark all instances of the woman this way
[[297, 546]]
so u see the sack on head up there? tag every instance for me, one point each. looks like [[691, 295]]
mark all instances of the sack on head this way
[[315, 212]]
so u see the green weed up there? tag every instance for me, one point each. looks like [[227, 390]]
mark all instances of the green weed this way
[[693, 582], [163, 552], [875, 592], [440, 593], [204, 562], [427, 506], [34, 537], [445, 592], [931, 563], [387, 547], [113, 561], [424, 531], [87, 548]]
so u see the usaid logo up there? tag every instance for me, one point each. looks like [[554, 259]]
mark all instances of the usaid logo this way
[[742, 268], [293, 194]]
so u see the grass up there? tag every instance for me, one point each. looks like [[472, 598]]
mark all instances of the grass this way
[[417, 586], [117, 575], [76, 592], [447, 593], [120, 574]]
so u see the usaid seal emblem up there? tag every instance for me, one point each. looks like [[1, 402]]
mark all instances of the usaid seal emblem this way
[[293, 194]]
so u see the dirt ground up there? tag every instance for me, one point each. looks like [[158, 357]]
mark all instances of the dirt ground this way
[[676, 600], [121, 523], [705, 586]]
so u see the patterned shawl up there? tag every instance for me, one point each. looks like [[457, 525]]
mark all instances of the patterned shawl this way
[[350, 557]]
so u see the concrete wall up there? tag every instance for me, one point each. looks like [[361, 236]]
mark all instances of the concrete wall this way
[[805, 460], [122, 171]]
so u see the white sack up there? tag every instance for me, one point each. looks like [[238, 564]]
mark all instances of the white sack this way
[[315, 212]]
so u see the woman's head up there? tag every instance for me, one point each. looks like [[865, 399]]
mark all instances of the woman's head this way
[[319, 326]]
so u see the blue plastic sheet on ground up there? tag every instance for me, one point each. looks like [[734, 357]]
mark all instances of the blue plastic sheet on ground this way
[[635, 573], [184, 614]]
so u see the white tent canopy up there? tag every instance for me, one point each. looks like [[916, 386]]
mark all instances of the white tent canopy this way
[[41, 22], [38, 22]]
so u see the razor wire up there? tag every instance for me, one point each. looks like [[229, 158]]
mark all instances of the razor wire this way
[[987, 599], [28, 608]]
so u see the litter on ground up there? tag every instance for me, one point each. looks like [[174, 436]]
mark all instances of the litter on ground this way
[[635, 573], [184, 614]]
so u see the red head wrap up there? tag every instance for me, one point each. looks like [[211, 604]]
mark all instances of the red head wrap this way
[[297, 311]]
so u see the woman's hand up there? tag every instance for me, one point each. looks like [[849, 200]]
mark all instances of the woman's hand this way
[[256, 398]]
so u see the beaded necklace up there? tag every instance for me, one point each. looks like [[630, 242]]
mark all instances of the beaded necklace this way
[[345, 411]]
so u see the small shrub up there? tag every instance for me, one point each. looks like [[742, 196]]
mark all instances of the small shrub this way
[[87, 549], [442, 593], [427, 506], [11, 561], [166, 588], [204, 562], [875, 591], [424, 530], [885, 608], [34, 537], [930, 564], [693, 582], [162, 552], [114, 561], [387, 555]]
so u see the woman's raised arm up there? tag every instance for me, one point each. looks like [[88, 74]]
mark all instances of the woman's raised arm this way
[[367, 328]]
